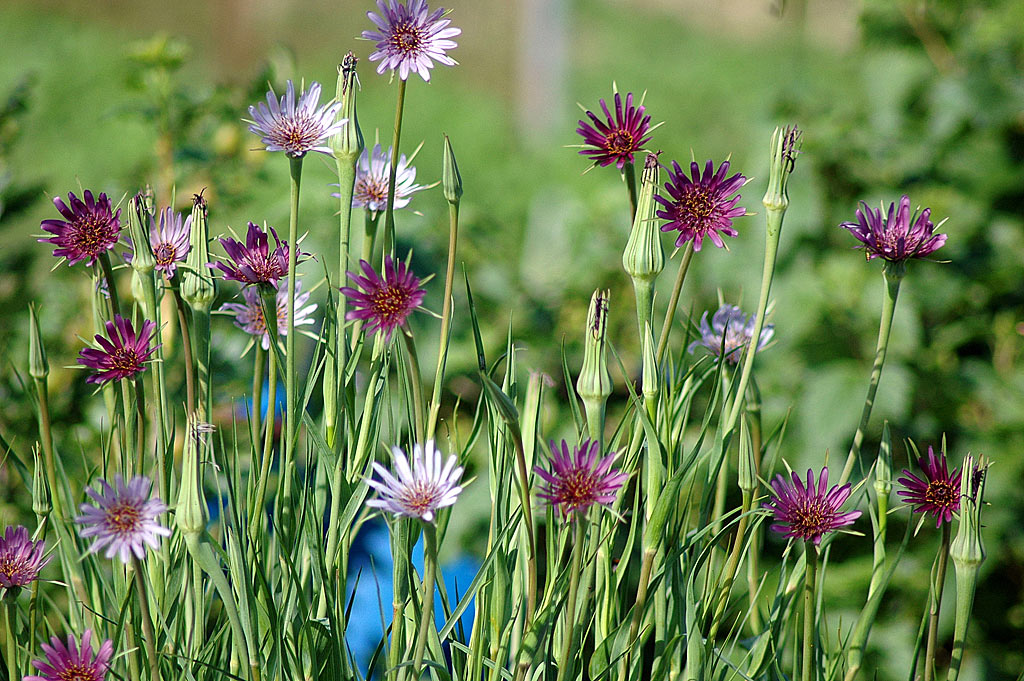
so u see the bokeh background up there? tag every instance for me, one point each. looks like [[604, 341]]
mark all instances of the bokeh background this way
[[923, 98]]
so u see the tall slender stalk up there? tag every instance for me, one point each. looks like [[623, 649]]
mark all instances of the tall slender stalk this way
[[446, 317], [11, 616], [259, 361], [810, 575], [108, 274], [149, 640], [415, 383], [389, 211], [291, 415], [935, 603], [574, 583], [673, 302], [186, 351], [629, 177], [427, 602]]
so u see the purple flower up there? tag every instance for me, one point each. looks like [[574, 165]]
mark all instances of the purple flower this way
[[72, 662], [701, 206], [808, 513], [169, 240], [91, 228], [938, 493], [372, 177], [295, 127], [615, 140], [419, 490], [385, 302], [124, 520], [122, 354], [729, 332], [253, 262], [579, 480], [21, 559], [411, 38], [899, 236], [249, 315]]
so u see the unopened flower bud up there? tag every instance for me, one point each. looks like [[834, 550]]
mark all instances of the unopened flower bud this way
[[747, 464], [197, 287], [41, 504], [883, 465], [190, 513], [143, 261], [347, 143], [451, 180], [785, 146], [967, 549], [38, 366], [594, 384], [644, 258]]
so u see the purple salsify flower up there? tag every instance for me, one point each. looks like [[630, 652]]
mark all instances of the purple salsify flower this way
[[410, 38], [21, 559], [73, 662], [729, 332], [249, 315], [122, 353], [169, 240], [937, 493], [125, 519], [295, 127], [253, 262], [370, 190], [897, 237], [615, 139], [90, 229], [420, 489], [810, 512], [385, 302], [579, 480], [701, 206]]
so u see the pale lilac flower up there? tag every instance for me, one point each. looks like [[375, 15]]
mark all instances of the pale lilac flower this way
[[296, 127], [249, 315], [729, 332], [420, 489], [73, 662], [125, 519], [21, 559], [373, 174], [899, 236], [410, 38], [90, 228], [810, 512], [580, 479], [169, 240]]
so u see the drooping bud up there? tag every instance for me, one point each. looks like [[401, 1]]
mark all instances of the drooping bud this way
[[644, 258], [197, 286], [347, 144], [785, 146], [41, 504], [594, 384], [451, 179], [143, 261], [38, 365]]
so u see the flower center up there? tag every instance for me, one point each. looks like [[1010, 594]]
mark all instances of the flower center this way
[[372, 191], [406, 38], [77, 672], [419, 498], [390, 303], [942, 494], [577, 489], [125, 359], [10, 566], [124, 518], [698, 206], [91, 234], [620, 142], [165, 253], [811, 519], [297, 134]]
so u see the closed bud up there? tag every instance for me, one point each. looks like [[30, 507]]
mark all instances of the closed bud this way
[[644, 258], [38, 366], [747, 465], [594, 384], [190, 513], [41, 504], [883, 465], [451, 180], [967, 549], [197, 287], [347, 144], [785, 146]]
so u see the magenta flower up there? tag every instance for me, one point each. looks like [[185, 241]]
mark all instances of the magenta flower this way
[[372, 178], [579, 480], [808, 513], [249, 315], [72, 662], [21, 559], [295, 127], [729, 332], [89, 230], [385, 302], [938, 493], [419, 490], [125, 519], [122, 353], [615, 140], [410, 38], [253, 262], [169, 240], [701, 206], [899, 236]]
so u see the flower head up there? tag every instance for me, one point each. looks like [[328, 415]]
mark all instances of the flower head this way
[[897, 237], [73, 662], [385, 302], [419, 489], [809, 513], [124, 519], [122, 353], [410, 37], [295, 127], [169, 239], [701, 206], [90, 228], [579, 480], [937, 493], [249, 315], [253, 262], [729, 332], [21, 559], [614, 140], [373, 173]]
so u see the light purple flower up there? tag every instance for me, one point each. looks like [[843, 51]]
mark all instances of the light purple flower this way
[[579, 480], [809, 512], [73, 662], [701, 206], [614, 140], [249, 315], [410, 38], [899, 236], [122, 353], [937, 493], [89, 230], [169, 240], [21, 559], [125, 519], [253, 262], [372, 176], [729, 332], [295, 127], [420, 489], [385, 302]]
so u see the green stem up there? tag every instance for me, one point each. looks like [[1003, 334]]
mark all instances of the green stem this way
[[810, 574], [941, 561], [369, 235], [646, 568], [629, 177], [269, 304], [415, 383], [46, 436], [427, 604], [11, 616], [108, 274], [446, 314], [151, 308], [186, 351], [570, 612], [732, 565], [140, 424], [290, 377], [673, 302], [966, 585], [346, 185], [259, 361], [389, 213], [147, 622]]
